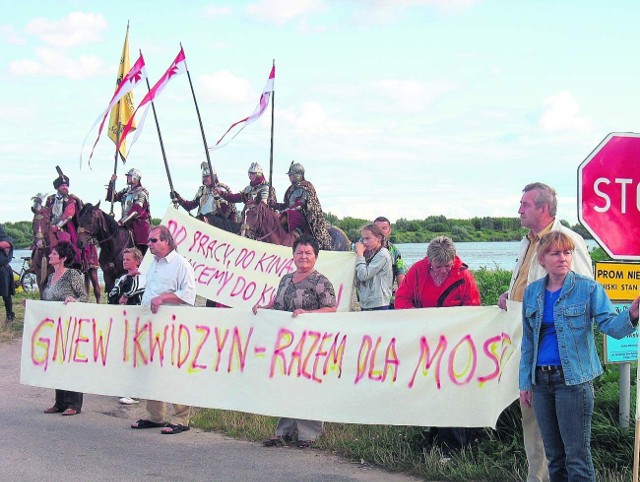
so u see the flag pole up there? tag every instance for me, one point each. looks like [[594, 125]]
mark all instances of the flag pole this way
[[273, 102], [118, 123], [204, 139], [164, 154]]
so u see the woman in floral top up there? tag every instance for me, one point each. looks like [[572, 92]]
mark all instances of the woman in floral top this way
[[65, 285], [303, 291]]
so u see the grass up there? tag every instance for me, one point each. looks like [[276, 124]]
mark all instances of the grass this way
[[497, 455]]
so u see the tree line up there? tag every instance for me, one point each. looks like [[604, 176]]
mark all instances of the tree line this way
[[404, 230], [422, 231]]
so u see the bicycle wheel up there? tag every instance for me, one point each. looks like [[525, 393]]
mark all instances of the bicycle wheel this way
[[29, 282]]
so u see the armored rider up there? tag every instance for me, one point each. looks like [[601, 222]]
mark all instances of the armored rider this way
[[209, 198], [136, 214], [257, 190], [302, 208], [64, 208]]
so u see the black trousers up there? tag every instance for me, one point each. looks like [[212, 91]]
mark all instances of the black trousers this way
[[67, 399]]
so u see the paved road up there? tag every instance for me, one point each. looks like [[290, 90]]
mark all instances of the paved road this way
[[98, 445]]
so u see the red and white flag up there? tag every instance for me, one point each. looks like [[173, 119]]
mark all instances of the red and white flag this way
[[177, 67], [136, 74], [260, 108]]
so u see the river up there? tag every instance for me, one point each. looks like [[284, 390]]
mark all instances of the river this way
[[477, 254]]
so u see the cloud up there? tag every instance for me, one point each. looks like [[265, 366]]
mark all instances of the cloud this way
[[10, 36], [411, 95], [280, 12], [56, 63], [561, 112], [227, 88], [388, 11], [217, 11], [77, 28]]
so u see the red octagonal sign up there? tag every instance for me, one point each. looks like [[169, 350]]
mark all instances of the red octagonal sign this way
[[609, 194]]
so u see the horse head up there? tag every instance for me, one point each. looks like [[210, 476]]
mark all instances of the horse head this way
[[262, 224], [92, 224]]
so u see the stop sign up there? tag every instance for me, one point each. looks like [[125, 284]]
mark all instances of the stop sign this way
[[609, 194]]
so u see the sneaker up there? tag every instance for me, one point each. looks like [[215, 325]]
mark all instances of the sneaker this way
[[128, 401]]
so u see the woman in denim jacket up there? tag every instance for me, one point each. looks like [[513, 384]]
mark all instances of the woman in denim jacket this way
[[559, 357]]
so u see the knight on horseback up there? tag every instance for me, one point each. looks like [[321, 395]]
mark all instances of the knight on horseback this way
[[136, 214], [257, 190], [301, 207], [209, 199], [64, 208]]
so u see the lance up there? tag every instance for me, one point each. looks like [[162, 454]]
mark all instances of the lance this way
[[164, 155], [273, 101], [204, 139]]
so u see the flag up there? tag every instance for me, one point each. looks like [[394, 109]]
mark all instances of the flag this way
[[121, 113], [260, 108], [177, 67], [134, 76]]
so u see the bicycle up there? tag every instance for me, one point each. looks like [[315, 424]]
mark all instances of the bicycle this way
[[26, 278]]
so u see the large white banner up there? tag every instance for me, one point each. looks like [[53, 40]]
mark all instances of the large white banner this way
[[426, 367], [238, 272]]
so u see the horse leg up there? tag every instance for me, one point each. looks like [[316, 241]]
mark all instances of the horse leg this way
[[93, 274]]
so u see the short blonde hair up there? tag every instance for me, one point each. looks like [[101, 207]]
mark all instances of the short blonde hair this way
[[135, 252], [441, 250], [555, 239]]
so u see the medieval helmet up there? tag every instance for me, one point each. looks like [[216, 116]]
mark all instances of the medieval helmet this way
[[255, 168], [205, 170], [61, 179], [296, 169], [135, 174]]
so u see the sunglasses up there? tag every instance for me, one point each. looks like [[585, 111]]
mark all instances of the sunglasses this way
[[152, 240]]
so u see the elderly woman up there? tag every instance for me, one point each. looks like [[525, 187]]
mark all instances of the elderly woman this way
[[440, 280], [65, 285], [559, 358], [303, 291], [374, 270]]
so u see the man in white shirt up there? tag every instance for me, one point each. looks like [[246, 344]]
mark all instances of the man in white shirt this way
[[538, 213], [170, 281]]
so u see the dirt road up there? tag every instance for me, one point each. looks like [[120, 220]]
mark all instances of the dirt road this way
[[98, 445]]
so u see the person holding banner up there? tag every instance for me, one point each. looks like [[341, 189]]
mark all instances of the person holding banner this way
[[440, 280], [303, 291], [170, 281], [66, 285], [559, 357], [374, 270]]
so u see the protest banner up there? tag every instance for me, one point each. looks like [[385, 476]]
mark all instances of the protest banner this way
[[239, 272], [423, 367]]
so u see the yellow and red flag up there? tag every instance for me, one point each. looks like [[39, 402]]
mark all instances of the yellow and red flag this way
[[123, 111]]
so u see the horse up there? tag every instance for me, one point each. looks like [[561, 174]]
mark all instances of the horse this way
[[43, 240], [97, 226], [263, 224]]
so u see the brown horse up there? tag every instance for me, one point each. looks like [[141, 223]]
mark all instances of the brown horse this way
[[96, 225], [43, 240], [263, 224]]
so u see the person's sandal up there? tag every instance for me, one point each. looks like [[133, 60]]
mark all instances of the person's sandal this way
[[143, 423], [172, 428], [304, 444], [70, 411], [53, 409], [274, 442]]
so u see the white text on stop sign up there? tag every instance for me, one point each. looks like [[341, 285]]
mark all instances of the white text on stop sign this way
[[608, 192]]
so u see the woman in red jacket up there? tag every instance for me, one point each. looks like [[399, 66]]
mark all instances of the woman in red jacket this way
[[440, 279]]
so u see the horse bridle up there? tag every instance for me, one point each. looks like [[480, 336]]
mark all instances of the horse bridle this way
[[259, 221]]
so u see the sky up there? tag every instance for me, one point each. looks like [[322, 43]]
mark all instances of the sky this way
[[401, 108]]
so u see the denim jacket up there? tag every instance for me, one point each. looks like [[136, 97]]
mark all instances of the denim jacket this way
[[581, 301]]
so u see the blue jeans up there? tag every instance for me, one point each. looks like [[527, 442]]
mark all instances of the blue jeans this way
[[564, 415]]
